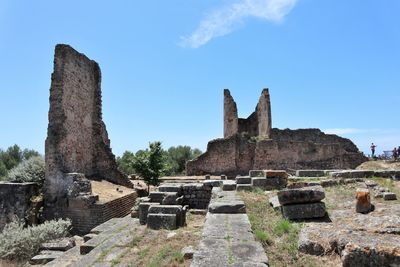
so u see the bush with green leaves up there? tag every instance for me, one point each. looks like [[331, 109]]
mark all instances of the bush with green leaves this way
[[19, 243], [31, 170], [11, 157]]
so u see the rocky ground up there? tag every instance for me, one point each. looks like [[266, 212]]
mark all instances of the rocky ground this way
[[380, 165]]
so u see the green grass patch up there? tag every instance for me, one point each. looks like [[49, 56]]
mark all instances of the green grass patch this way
[[278, 236]]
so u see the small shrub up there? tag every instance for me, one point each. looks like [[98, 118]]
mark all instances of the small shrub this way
[[282, 226], [262, 236], [30, 170], [258, 190], [17, 242]]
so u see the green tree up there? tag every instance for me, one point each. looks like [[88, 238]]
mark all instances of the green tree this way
[[179, 156], [125, 163], [150, 164], [11, 157]]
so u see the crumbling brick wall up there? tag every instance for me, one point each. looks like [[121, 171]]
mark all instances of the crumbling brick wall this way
[[77, 140]]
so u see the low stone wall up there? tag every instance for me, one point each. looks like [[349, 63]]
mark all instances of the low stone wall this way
[[197, 196], [15, 201], [86, 218]]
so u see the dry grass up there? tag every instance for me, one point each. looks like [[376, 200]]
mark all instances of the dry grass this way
[[153, 248], [108, 191], [380, 165], [279, 236]]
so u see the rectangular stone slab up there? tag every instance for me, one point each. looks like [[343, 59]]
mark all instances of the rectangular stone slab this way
[[244, 187], [229, 185], [161, 221], [310, 173], [143, 211], [307, 194], [231, 207], [304, 211], [243, 180]]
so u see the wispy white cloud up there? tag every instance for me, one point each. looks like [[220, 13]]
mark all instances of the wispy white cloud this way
[[226, 19]]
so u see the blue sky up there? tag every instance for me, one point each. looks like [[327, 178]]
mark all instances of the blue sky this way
[[331, 64]]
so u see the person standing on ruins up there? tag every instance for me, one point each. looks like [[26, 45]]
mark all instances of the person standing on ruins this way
[[395, 153], [373, 146]]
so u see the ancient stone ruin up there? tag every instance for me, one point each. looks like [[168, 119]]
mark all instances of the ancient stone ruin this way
[[77, 144], [251, 144]]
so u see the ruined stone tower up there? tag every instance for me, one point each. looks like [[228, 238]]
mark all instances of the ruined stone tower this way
[[259, 123], [238, 153], [77, 139]]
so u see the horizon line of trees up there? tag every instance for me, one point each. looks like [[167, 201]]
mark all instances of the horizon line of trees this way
[[174, 159]]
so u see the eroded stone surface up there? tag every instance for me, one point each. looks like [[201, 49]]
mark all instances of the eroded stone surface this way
[[307, 194], [371, 239], [304, 211]]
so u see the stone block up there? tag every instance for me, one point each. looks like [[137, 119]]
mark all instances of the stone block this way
[[274, 203], [359, 255], [302, 184], [304, 211], [162, 221], [229, 207], [276, 174], [269, 183], [224, 177], [61, 244], [352, 174], [243, 180], [389, 196], [257, 173], [310, 173], [228, 185], [157, 197], [212, 183], [187, 252], [170, 198], [177, 188], [363, 201], [177, 210], [207, 177], [143, 211], [244, 187], [42, 259], [308, 194], [87, 237]]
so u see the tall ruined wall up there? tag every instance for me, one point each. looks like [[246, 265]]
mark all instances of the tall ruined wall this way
[[295, 149], [257, 124], [230, 115], [77, 140], [263, 111]]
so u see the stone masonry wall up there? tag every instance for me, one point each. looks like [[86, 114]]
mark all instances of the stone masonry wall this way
[[15, 201], [86, 218], [196, 196], [77, 140], [259, 123], [239, 154]]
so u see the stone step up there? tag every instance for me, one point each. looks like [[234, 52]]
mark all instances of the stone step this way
[[227, 240], [228, 185], [244, 187], [230, 207], [307, 194], [158, 221], [243, 180], [44, 258], [304, 211]]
